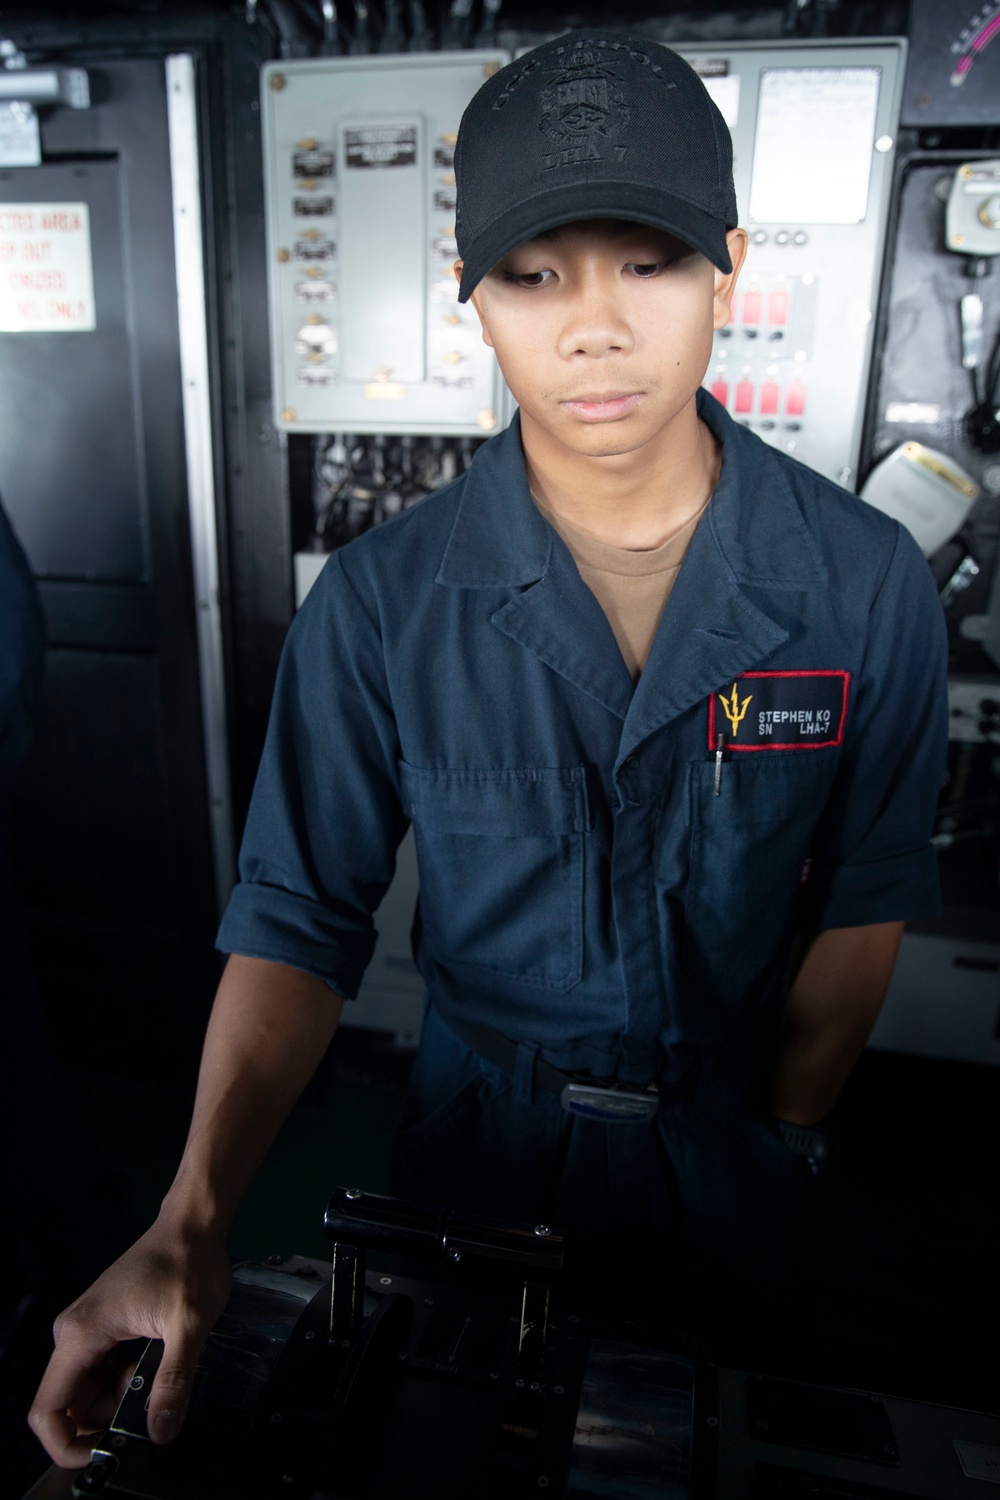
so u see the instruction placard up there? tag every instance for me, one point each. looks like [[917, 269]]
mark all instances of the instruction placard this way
[[46, 268]]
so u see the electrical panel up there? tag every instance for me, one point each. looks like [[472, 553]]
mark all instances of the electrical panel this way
[[367, 334], [814, 133]]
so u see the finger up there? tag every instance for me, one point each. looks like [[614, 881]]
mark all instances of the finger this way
[[171, 1393], [76, 1375]]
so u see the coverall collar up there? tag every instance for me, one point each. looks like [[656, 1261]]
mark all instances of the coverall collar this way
[[753, 534], [500, 539]]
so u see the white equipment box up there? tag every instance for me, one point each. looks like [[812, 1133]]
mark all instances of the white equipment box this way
[[367, 334]]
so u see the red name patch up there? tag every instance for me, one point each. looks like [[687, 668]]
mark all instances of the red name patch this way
[[780, 711]]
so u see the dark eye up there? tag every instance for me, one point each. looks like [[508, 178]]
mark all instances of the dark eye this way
[[527, 279], [647, 271]]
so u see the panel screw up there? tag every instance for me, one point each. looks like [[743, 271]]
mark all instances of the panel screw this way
[[535, 1385], [454, 1253], [543, 1231], [712, 1421], [289, 415], [278, 82], [519, 1384], [352, 1193], [136, 1383], [118, 1441], [543, 1481], [385, 1281], [276, 1417], [310, 1334], [560, 1390], [490, 68], [486, 419], [428, 1301], [283, 256]]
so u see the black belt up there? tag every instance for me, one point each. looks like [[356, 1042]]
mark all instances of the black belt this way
[[608, 1100]]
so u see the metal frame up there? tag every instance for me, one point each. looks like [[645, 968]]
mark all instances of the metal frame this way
[[189, 254]]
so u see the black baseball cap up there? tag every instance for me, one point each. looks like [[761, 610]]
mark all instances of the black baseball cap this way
[[594, 125]]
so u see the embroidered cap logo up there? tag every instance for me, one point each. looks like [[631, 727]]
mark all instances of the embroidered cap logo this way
[[734, 709], [582, 101]]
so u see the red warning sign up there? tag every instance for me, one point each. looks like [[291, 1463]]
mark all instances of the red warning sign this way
[[46, 268]]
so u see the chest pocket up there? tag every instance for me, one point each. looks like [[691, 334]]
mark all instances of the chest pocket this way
[[500, 858], [748, 847]]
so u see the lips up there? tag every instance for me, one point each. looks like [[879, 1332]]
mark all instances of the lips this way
[[603, 406]]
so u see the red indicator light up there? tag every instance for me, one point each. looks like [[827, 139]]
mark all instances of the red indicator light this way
[[744, 396], [720, 390], [769, 393], [752, 303], [795, 399], [777, 307]]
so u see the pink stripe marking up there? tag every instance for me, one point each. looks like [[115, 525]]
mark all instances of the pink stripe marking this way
[[987, 34]]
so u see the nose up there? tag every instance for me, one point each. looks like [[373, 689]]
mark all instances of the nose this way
[[595, 324]]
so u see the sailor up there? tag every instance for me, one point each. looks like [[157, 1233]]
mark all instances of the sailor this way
[[666, 712]]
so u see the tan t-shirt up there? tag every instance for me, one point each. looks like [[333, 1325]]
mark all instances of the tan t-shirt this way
[[632, 587]]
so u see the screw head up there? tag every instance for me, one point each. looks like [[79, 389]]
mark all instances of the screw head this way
[[454, 1253], [310, 1334], [118, 1441], [385, 1281], [278, 82], [136, 1383], [712, 1421], [543, 1231], [353, 1194], [560, 1390], [275, 1418]]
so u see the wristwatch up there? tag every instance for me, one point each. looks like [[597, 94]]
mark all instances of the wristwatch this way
[[815, 1142]]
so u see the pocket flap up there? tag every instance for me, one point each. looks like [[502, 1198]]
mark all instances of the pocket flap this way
[[542, 802]]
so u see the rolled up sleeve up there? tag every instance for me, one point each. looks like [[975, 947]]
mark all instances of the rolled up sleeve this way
[[326, 815], [872, 860]]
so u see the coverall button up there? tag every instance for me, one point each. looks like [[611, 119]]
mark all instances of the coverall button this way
[[631, 762]]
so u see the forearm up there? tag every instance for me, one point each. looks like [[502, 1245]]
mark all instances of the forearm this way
[[831, 1009], [269, 1029]]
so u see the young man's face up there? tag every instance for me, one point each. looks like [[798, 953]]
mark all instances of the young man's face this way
[[603, 329]]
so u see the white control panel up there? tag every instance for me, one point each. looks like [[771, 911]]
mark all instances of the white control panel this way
[[367, 333], [814, 134]]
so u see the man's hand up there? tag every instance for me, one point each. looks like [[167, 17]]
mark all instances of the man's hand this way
[[269, 1028], [169, 1286]]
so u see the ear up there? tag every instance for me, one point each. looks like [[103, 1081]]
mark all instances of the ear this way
[[725, 283], [476, 301]]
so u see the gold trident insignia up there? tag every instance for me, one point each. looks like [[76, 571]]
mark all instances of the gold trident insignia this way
[[735, 710]]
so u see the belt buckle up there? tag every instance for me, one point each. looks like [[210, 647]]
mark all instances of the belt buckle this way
[[618, 1104]]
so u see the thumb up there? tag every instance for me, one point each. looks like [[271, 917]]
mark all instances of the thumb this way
[[171, 1393]]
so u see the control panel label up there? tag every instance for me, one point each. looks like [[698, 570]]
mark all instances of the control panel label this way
[[381, 146]]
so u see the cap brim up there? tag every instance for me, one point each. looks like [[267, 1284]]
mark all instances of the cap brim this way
[[593, 200]]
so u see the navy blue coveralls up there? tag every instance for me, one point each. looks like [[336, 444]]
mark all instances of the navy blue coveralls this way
[[591, 885]]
